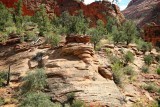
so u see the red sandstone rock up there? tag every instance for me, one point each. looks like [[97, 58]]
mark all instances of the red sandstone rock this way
[[94, 11]]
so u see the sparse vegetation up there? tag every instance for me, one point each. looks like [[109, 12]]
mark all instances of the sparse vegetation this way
[[158, 70], [148, 59], [34, 81], [36, 99], [117, 73], [78, 103], [128, 57], [1, 101], [129, 70], [145, 69], [3, 78], [151, 87]]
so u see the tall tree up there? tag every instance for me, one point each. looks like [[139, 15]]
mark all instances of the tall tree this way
[[18, 13], [41, 17]]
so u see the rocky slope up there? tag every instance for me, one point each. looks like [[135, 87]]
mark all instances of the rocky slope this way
[[94, 11], [143, 11]]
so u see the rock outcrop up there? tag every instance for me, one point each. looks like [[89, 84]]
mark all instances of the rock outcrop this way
[[143, 11], [94, 11]]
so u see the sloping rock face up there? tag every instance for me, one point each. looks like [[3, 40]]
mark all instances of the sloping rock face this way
[[94, 11], [69, 72], [143, 11]]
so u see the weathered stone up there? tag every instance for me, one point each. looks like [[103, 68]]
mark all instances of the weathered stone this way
[[105, 73]]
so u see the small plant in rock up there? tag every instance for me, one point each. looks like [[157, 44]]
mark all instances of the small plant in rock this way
[[157, 58], [3, 78], [117, 73], [35, 81], [128, 57], [78, 103], [108, 51], [129, 70], [158, 71], [36, 100], [1, 101], [145, 69], [148, 59], [114, 59], [151, 87]]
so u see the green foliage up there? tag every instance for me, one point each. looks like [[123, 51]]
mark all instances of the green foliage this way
[[3, 78], [157, 58], [18, 14], [53, 38], [34, 81], [143, 46], [130, 31], [158, 70], [110, 22], [72, 24], [42, 19], [129, 70], [1, 101], [114, 59], [145, 69], [117, 73], [36, 100], [78, 103], [148, 59], [128, 57], [117, 35], [97, 33], [151, 87], [6, 19]]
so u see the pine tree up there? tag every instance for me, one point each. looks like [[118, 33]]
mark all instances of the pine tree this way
[[6, 19], [18, 18], [41, 17]]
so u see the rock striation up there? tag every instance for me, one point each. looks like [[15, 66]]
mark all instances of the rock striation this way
[[143, 11]]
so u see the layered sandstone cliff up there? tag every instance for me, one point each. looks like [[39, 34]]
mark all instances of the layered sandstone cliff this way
[[143, 11]]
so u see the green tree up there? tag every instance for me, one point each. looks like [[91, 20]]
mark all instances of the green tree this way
[[6, 19], [18, 13], [97, 33], [38, 99], [130, 31], [80, 24], [110, 22], [117, 35], [128, 57], [41, 17]]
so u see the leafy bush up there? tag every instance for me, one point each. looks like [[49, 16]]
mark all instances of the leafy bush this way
[[34, 81], [108, 51], [1, 101], [151, 87], [148, 59], [117, 35], [157, 58], [158, 71], [117, 73], [129, 70], [114, 59], [52, 38], [128, 57], [3, 78], [78, 103], [144, 46], [36, 100], [145, 69]]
